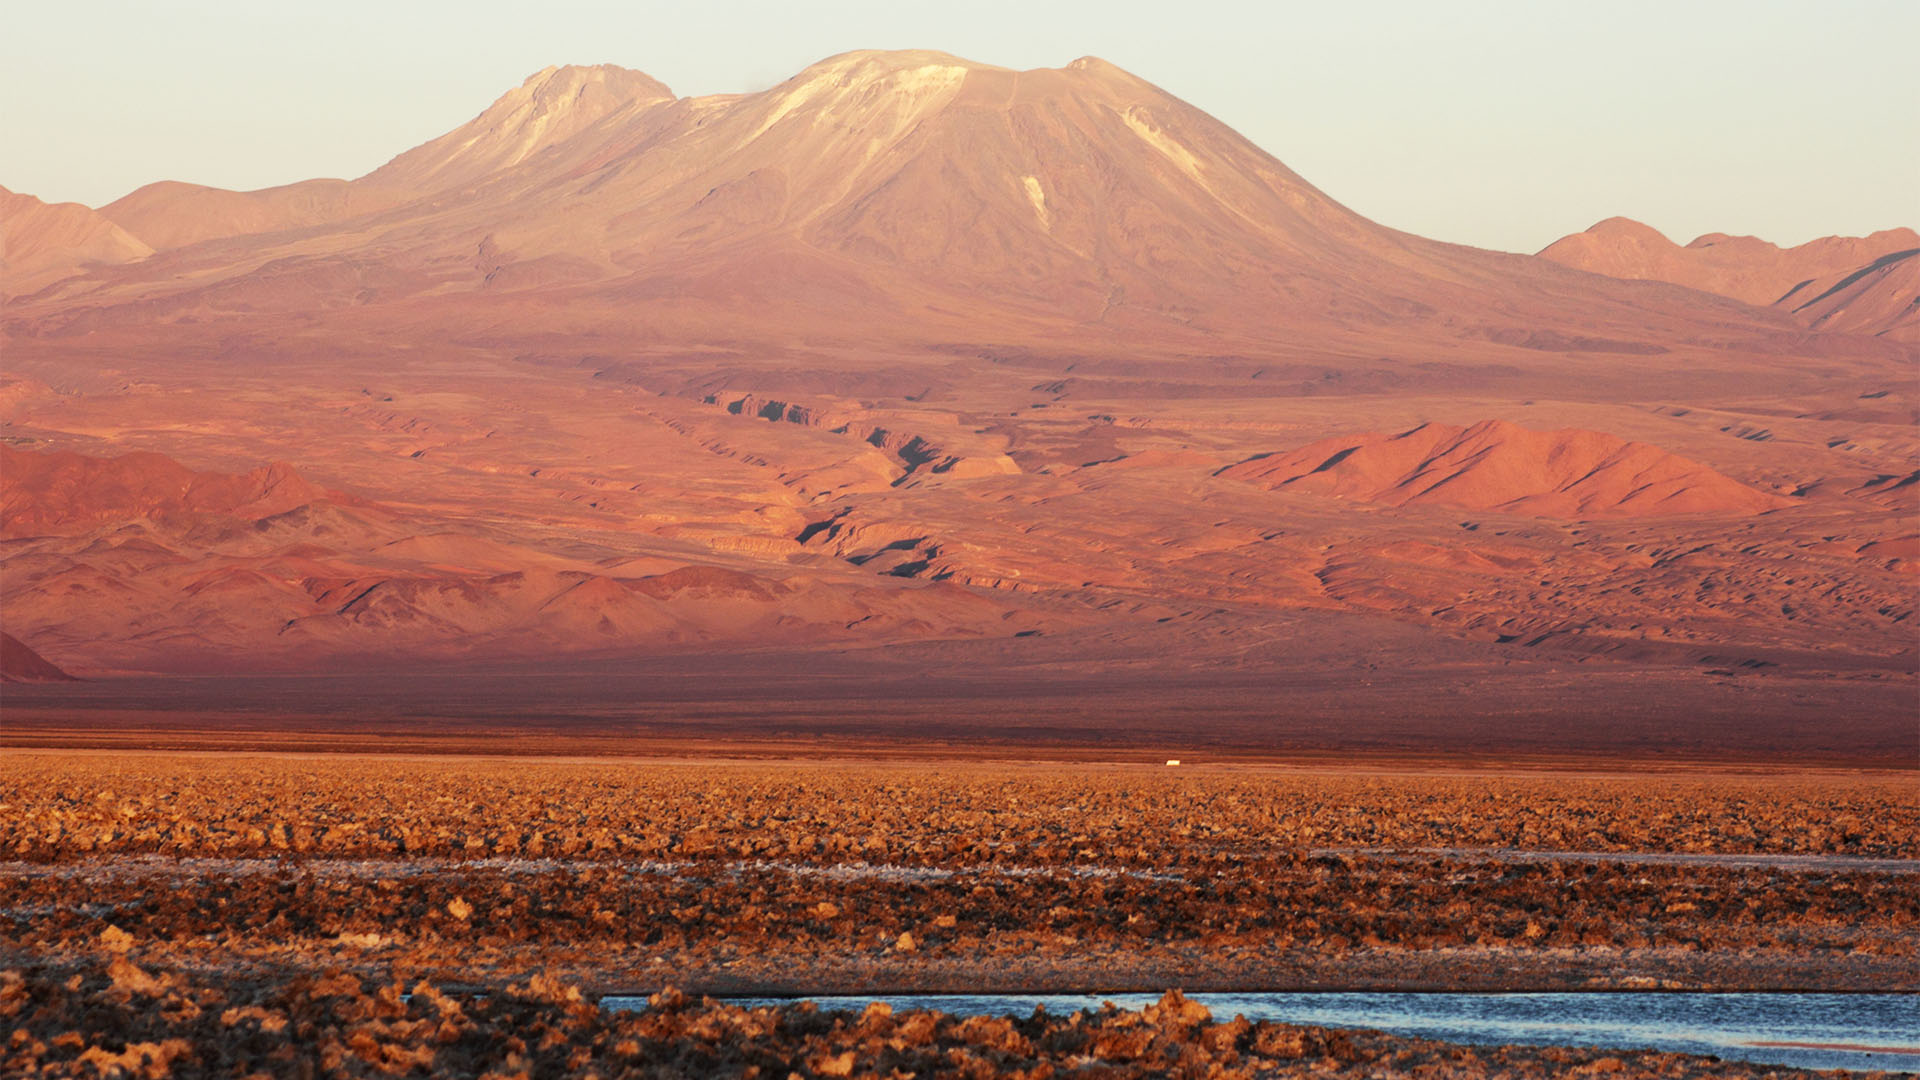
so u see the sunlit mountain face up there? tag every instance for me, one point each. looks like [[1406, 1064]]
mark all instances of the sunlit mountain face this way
[[925, 363]]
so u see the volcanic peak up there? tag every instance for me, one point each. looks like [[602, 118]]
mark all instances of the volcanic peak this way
[[928, 77], [551, 106], [559, 88], [882, 62], [873, 62]]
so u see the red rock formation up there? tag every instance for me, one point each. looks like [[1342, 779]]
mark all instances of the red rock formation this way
[[67, 492], [1495, 465]]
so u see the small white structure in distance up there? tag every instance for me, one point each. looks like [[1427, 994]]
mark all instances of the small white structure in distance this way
[[1173, 761]]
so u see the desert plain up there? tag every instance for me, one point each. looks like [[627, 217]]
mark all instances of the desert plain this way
[[325, 906], [770, 543]]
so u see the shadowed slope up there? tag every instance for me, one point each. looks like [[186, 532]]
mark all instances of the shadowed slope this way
[[1881, 298], [20, 664], [1495, 465]]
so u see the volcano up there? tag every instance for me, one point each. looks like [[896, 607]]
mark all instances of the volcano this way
[[900, 198], [916, 364]]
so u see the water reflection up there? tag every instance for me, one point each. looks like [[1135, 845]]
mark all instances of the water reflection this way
[[1810, 1031]]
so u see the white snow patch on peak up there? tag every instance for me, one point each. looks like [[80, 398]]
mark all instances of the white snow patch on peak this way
[[1038, 198], [1140, 119], [854, 84]]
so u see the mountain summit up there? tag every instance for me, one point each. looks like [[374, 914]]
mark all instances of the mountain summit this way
[[551, 106]]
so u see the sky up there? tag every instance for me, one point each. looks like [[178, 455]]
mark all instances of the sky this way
[[1487, 122]]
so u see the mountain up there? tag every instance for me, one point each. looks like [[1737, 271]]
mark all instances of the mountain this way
[[903, 198], [1743, 267], [1495, 465], [918, 365], [41, 243]]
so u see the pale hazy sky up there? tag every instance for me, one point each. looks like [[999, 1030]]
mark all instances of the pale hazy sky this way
[[1502, 124]]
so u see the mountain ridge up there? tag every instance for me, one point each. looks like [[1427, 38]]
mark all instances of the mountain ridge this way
[[1742, 267], [907, 190]]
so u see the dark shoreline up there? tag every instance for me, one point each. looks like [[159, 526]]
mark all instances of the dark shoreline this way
[[124, 1010]]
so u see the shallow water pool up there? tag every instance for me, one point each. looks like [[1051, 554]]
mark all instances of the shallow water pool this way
[[1811, 1031]]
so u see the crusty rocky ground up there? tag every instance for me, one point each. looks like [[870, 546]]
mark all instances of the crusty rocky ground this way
[[851, 878], [119, 1019]]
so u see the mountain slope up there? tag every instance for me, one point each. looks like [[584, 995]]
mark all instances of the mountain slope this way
[[553, 105], [550, 107], [169, 214]]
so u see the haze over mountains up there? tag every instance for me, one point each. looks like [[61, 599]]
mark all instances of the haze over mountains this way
[[1011, 370]]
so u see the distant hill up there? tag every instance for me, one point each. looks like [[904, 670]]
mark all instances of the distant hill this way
[[1845, 284], [43, 242], [1494, 465]]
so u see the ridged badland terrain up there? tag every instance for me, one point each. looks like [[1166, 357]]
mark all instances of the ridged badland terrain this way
[[933, 377]]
